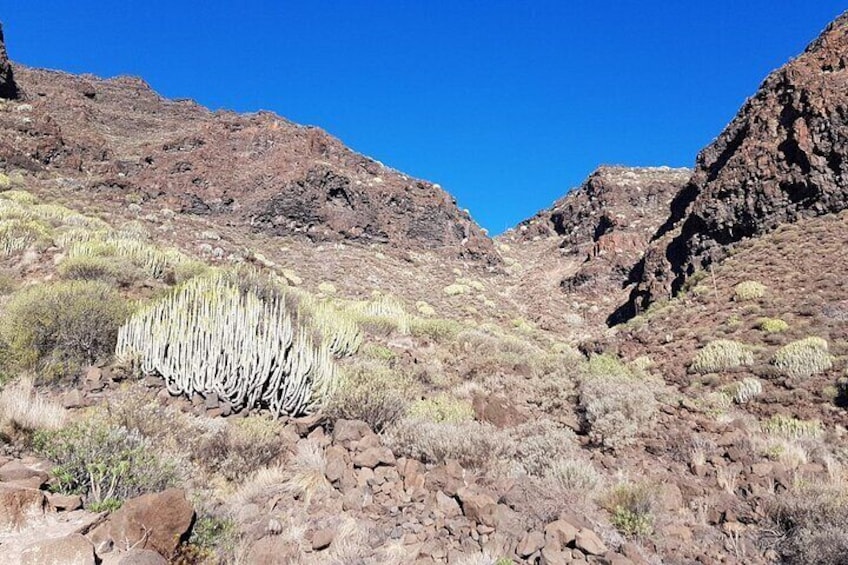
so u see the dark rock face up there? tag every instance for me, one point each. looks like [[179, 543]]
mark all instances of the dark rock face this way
[[8, 88], [609, 221], [781, 159]]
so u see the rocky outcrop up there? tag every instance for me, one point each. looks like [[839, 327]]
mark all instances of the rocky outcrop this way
[[608, 222], [8, 88], [120, 141], [782, 158]]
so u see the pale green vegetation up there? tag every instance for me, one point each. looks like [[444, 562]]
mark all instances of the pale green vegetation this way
[[772, 325], [787, 427], [105, 463], [632, 508], [803, 358], [743, 391], [441, 408], [721, 355], [64, 321], [749, 290], [371, 392]]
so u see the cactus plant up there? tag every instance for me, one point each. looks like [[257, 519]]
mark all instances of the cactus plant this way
[[248, 345]]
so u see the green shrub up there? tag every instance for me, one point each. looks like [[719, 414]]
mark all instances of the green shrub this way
[[105, 463], [435, 329], [632, 508], [113, 270], [772, 325], [16, 235], [721, 355], [441, 408], [370, 392], [73, 320], [749, 290], [803, 358]]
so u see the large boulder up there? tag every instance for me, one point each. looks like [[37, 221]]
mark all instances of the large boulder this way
[[157, 521], [8, 88]]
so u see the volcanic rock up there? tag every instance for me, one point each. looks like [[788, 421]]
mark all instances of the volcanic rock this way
[[8, 88], [782, 158]]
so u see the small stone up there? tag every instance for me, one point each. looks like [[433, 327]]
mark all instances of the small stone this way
[[65, 502], [374, 456], [322, 539], [73, 399]]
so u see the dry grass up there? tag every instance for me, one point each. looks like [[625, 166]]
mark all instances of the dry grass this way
[[22, 407], [306, 471]]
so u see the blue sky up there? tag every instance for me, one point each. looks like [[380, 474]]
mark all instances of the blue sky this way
[[506, 104]]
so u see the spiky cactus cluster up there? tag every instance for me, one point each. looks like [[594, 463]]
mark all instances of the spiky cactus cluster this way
[[247, 345]]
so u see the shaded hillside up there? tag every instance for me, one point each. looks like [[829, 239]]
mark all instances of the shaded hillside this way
[[120, 140], [782, 158]]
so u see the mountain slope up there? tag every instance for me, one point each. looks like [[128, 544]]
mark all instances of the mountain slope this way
[[780, 159], [119, 139]]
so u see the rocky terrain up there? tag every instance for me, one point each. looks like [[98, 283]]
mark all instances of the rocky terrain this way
[[652, 371]]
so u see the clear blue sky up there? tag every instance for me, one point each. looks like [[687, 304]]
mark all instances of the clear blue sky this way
[[506, 104]]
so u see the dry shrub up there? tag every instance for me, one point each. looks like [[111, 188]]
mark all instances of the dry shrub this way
[[371, 392], [749, 290], [475, 445], [112, 270], [811, 522], [617, 403], [306, 470], [240, 448], [536, 447]]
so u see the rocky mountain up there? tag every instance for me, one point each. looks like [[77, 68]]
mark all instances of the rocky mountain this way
[[782, 158], [119, 139], [348, 378]]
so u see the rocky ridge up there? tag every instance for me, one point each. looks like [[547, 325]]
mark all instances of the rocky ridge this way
[[120, 140], [607, 223], [781, 158]]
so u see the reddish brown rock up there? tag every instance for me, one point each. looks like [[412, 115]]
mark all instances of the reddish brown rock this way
[[19, 505], [588, 542], [157, 521], [70, 550], [8, 88]]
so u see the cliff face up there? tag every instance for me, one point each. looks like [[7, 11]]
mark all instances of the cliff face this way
[[8, 88], [782, 158], [120, 139]]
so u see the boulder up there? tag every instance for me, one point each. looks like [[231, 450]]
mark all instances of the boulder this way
[[588, 542], [530, 544], [19, 505], [157, 521], [70, 550], [322, 539], [477, 506]]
